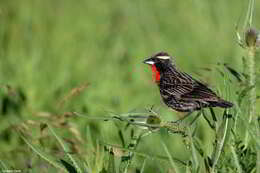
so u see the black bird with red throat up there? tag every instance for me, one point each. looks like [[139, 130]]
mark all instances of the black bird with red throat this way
[[179, 90]]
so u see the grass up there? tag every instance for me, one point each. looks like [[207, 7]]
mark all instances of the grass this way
[[75, 96]]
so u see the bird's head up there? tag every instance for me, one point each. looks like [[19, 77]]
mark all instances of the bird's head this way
[[160, 63], [161, 58]]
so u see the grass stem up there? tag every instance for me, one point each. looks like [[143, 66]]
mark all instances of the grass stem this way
[[250, 66]]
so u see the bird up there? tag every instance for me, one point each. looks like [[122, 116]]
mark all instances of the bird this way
[[179, 90]]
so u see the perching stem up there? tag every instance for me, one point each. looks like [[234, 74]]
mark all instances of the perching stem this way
[[251, 36]]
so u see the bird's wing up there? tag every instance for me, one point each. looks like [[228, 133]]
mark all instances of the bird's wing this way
[[177, 84], [183, 86], [201, 92]]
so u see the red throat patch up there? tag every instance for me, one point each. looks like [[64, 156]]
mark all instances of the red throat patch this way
[[156, 74]]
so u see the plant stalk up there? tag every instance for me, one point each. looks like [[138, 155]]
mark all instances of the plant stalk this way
[[250, 66]]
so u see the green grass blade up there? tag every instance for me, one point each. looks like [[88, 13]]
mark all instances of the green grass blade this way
[[220, 138], [43, 155], [111, 163], [174, 167], [195, 160], [65, 148], [143, 166], [235, 158], [4, 167]]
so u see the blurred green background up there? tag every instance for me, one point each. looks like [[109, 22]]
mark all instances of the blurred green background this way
[[49, 47]]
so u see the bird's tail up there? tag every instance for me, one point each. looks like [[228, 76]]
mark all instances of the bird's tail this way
[[222, 103]]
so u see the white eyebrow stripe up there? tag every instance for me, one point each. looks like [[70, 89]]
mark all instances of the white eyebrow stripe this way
[[163, 57], [149, 62]]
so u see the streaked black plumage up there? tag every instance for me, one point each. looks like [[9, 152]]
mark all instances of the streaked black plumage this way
[[179, 90]]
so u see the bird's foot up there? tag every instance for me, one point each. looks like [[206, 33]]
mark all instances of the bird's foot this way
[[211, 125], [151, 110], [181, 119]]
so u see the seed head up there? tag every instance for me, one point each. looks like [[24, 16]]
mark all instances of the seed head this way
[[252, 37]]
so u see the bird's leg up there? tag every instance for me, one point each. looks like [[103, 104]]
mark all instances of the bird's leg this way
[[208, 121], [182, 118], [151, 110], [213, 116], [197, 116]]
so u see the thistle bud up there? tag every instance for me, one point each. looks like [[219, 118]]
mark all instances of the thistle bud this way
[[153, 120], [251, 37]]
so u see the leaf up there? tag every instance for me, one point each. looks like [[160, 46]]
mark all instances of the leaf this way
[[70, 168], [243, 93], [207, 163], [120, 133], [233, 72]]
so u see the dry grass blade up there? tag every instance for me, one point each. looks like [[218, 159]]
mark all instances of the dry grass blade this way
[[74, 92]]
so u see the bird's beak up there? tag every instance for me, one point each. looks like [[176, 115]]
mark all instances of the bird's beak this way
[[149, 61]]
